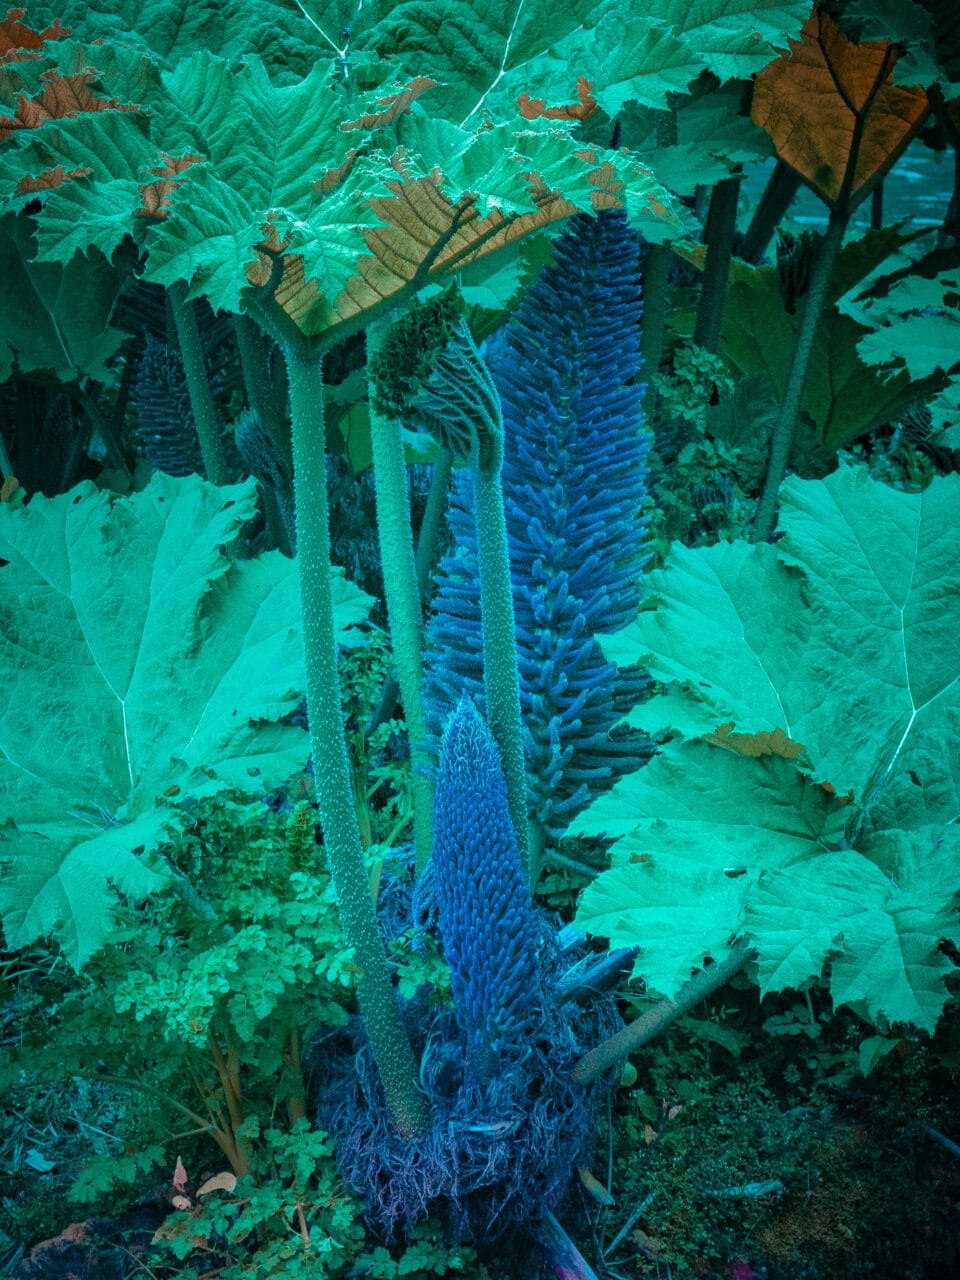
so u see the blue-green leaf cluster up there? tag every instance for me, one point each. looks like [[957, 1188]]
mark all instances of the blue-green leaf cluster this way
[[808, 796], [140, 665]]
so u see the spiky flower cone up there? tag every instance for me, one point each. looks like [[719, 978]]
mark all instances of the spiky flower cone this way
[[264, 459], [166, 426], [487, 919]]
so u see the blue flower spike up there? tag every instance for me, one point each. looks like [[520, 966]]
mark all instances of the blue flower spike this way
[[487, 919]]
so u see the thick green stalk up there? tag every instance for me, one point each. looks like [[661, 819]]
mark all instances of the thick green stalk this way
[[104, 429], [951, 219], [501, 679], [338, 818], [656, 279], [395, 532], [426, 559], [617, 1049], [428, 542], [254, 348], [201, 401], [6, 466], [876, 207], [783, 185], [276, 526], [721, 227], [766, 517]]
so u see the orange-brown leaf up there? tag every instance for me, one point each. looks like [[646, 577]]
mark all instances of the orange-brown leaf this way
[[594, 1186], [47, 181], [225, 1181], [609, 192], [334, 178], [423, 233], [754, 744], [393, 104], [60, 98], [536, 108], [829, 788], [295, 294], [834, 113], [156, 195], [18, 42]]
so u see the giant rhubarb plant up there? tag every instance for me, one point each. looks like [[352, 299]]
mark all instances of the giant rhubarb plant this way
[[314, 197], [295, 204]]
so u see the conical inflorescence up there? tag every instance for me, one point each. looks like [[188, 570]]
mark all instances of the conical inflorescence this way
[[574, 482], [508, 1125], [487, 919]]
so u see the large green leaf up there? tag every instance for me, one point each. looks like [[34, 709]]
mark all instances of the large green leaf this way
[[915, 324], [698, 827], [278, 30], [738, 668], [849, 396], [713, 137], [686, 804], [55, 320], [734, 38], [881, 930], [136, 660], [830, 657], [883, 663], [856, 660], [267, 140], [927, 32], [234, 168], [483, 54], [106, 146], [487, 55], [355, 232], [945, 415], [676, 914]]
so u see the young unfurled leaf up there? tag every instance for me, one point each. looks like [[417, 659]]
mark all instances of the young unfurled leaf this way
[[179, 1176], [834, 113]]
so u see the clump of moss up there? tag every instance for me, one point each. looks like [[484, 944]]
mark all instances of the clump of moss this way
[[712, 1162], [794, 1162]]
